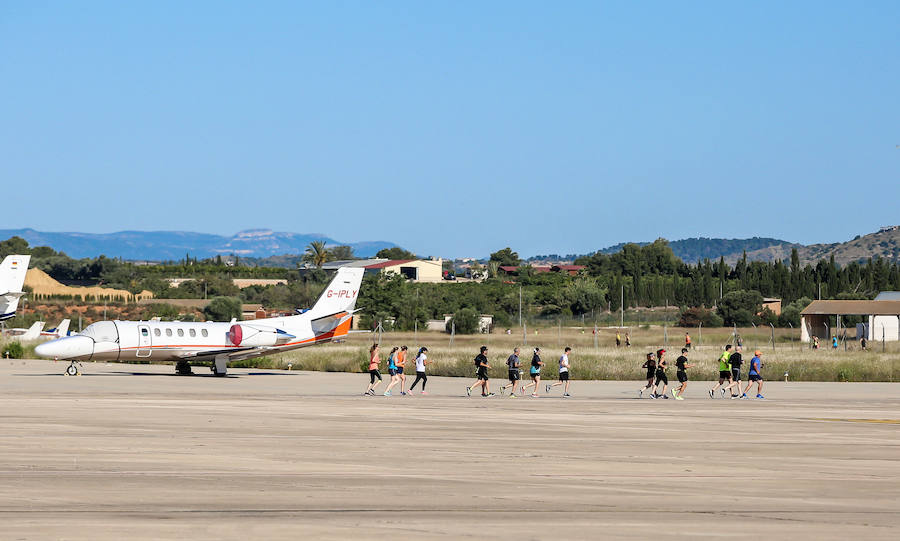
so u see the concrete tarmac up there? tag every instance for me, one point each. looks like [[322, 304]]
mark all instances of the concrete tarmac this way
[[133, 451]]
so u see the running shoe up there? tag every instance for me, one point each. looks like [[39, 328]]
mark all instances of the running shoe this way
[[734, 396], [403, 393], [711, 395], [664, 396], [387, 393], [513, 395], [743, 396], [566, 394], [675, 393], [488, 395], [679, 398], [653, 396], [760, 396], [723, 393], [534, 395], [641, 393], [468, 391], [546, 388], [423, 392]]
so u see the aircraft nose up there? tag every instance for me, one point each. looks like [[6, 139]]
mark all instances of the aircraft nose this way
[[66, 348]]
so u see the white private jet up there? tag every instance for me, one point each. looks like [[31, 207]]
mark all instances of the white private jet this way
[[12, 278], [31, 333], [183, 342]]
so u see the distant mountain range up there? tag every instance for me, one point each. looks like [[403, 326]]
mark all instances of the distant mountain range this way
[[173, 245], [699, 248]]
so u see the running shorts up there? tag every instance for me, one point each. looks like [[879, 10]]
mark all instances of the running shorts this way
[[392, 371], [650, 373], [399, 369], [724, 374], [513, 375], [374, 374], [661, 376], [736, 374], [682, 376], [755, 377], [564, 376], [482, 374]]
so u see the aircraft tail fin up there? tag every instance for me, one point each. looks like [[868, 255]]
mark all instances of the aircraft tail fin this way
[[341, 293], [33, 332], [12, 279], [62, 330]]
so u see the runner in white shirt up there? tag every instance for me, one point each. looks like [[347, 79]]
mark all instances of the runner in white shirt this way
[[421, 361], [563, 373]]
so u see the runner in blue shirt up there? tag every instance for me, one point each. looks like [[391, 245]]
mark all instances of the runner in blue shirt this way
[[755, 375]]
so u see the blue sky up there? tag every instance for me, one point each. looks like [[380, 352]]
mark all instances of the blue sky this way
[[453, 128]]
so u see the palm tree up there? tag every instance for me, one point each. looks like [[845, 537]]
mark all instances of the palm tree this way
[[316, 253]]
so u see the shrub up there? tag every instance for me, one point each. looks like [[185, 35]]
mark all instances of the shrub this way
[[223, 309], [465, 320], [693, 317], [13, 350]]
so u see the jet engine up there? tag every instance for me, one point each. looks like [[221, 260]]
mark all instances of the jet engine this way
[[245, 335]]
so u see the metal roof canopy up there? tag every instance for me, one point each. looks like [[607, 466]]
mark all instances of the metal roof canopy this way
[[852, 308]]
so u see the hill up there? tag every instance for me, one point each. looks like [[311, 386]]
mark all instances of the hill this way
[[884, 244], [699, 248], [173, 245]]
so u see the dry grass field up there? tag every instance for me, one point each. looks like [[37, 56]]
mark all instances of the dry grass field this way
[[605, 361]]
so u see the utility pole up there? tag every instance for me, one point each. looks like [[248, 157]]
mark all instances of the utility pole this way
[[622, 307], [520, 305]]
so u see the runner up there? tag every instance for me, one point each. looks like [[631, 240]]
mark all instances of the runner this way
[[834, 342], [401, 361], [755, 375], [563, 373], [724, 371], [650, 365], [481, 372], [421, 361], [618, 339], [681, 365], [736, 361], [661, 365], [535, 372], [513, 364], [627, 340], [392, 370], [687, 341], [374, 361]]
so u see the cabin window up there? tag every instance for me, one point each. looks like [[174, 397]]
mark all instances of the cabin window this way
[[168, 332], [192, 332], [204, 333], [156, 332], [145, 332], [180, 332]]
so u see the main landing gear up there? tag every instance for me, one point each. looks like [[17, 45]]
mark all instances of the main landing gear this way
[[183, 368], [220, 365]]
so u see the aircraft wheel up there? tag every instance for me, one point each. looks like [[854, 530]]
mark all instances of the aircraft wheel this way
[[71, 370]]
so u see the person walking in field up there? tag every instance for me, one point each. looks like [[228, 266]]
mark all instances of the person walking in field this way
[[687, 341], [834, 343], [724, 371], [392, 370], [661, 365], [618, 339], [681, 366], [512, 363], [374, 361], [563, 373], [755, 375], [650, 365], [481, 373], [421, 361], [627, 340], [815, 342], [535, 373], [736, 361]]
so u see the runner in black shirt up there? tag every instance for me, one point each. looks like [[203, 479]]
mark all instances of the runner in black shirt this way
[[736, 362], [481, 372], [681, 365], [650, 365]]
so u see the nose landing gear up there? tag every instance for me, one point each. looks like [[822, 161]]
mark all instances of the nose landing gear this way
[[74, 369]]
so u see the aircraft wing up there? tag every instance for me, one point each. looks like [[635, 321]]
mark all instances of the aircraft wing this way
[[232, 353]]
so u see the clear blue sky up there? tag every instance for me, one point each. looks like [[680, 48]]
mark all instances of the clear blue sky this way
[[453, 128]]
